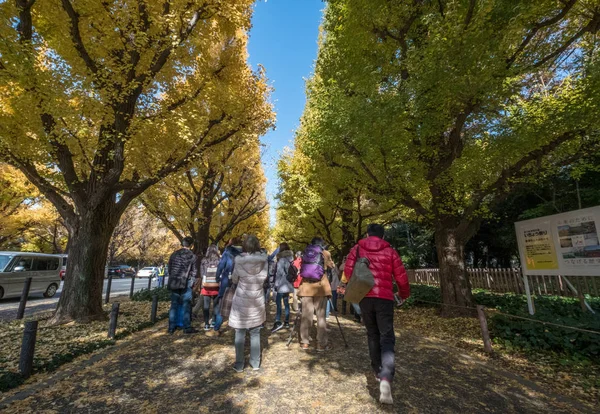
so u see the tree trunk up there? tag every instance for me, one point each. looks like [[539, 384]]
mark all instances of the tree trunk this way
[[202, 236], [81, 298], [347, 226], [455, 284]]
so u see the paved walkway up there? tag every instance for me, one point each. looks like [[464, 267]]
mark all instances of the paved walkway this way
[[158, 373]]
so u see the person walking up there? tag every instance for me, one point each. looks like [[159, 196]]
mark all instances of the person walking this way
[[224, 271], [248, 306], [334, 281], [377, 307], [314, 292], [296, 263], [209, 292], [283, 288], [182, 273]]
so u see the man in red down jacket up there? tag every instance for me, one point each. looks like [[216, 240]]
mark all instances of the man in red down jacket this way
[[378, 305]]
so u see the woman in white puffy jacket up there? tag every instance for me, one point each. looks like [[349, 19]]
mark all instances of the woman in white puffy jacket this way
[[248, 306]]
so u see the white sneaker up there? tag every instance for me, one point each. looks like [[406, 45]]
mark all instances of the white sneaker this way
[[385, 392]]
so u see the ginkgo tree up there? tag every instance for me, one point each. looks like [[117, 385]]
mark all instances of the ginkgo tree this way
[[212, 199], [316, 199], [447, 106], [100, 100]]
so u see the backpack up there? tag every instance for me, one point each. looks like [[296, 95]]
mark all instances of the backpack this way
[[209, 280], [313, 263], [362, 280], [292, 274]]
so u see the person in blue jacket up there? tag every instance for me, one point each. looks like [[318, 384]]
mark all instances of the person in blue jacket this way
[[224, 269]]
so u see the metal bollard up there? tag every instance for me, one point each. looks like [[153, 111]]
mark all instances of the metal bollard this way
[[28, 348], [24, 295], [108, 286], [154, 308], [149, 282], [114, 315], [487, 343], [132, 285]]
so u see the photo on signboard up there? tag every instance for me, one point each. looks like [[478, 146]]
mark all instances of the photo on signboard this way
[[579, 239]]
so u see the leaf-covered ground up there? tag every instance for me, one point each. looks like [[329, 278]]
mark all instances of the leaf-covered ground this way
[[563, 375], [159, 373], [56, 345]]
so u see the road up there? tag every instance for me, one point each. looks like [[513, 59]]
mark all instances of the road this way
[[37, 303]]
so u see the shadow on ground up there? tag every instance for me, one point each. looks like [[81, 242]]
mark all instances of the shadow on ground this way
[[182, 374]]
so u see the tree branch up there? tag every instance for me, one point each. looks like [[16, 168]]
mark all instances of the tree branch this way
[[76, 37], [536, 27]]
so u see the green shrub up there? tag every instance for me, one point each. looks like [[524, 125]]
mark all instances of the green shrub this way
[[530, 335], [145, 295]]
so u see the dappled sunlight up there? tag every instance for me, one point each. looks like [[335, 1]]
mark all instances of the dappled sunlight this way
[[193, 373]]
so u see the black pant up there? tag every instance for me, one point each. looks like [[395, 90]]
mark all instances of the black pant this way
[[378, 315]]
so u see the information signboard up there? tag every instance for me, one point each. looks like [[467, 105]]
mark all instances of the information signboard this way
[[564, 244]]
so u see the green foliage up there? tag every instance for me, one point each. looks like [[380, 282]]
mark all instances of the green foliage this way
[[145, 295], [441, 109], [531, 335]]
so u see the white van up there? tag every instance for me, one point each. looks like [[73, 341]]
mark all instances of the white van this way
[[16, 267]]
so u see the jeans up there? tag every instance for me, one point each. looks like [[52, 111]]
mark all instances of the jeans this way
[[161, 281], [285, 297], [206, 307], [181, 302], [334, 301], [217, 318], [240, 341], [378, 315]]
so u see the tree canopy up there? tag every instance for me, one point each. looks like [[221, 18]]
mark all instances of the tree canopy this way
[[100, 100], [446, 107]]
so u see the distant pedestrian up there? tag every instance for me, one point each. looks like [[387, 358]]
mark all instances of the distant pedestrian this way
[[224, 271], [248, 307], [314, 292], [297, 263], [334, 281], [271, 270], [161, 275], [182, 272], [283, 288], [378, 305]]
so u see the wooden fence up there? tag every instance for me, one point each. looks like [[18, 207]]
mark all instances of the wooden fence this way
[[511, 280]]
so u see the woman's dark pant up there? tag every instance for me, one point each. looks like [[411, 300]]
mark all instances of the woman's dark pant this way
[[206, 307]]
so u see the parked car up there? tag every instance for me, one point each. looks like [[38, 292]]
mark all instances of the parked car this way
[[63, 266], [148, 272], [16, 267], [121, 271]]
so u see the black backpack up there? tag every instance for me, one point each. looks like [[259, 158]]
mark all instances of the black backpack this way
[[292, 274]]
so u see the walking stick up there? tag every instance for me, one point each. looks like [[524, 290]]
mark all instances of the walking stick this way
[[338, 322]]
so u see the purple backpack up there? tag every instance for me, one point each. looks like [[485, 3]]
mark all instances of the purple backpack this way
[[312, 267]]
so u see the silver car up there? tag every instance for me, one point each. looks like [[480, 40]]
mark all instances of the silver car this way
[[16, 267]]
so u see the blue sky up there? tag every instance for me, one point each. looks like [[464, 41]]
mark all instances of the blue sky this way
[[284, 40]]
